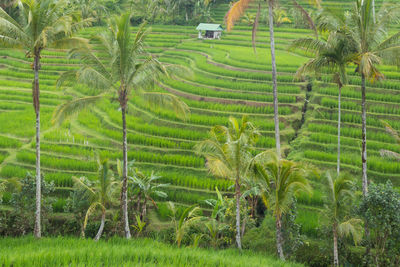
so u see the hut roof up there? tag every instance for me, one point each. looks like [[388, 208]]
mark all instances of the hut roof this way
[[209, 27]]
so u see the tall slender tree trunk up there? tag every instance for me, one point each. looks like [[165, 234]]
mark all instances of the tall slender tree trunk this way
[[364, 153], [36, 105], [364, 137], [237, 194], [339, 123], [125, 219], [103, 220], [274, 77], [279, 237], [335, 246]]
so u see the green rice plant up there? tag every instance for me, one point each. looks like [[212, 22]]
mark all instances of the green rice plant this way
[[374, 163], [8, 142], [59, 205], [195, 182], [353, 132], [57, 163], [188, 88], [316, 199], [60, 179], [3, 155], [10, 171], [188, 197], [121, 252], [309, 222], [332, 139]]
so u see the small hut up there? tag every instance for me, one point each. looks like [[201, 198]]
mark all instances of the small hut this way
[[212, 31]]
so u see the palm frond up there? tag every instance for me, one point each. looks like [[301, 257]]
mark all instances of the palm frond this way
[[66, 110], [352, 227], [169, 101], [235, 12]]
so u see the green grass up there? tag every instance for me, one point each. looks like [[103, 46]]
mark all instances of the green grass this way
[[119, 252]]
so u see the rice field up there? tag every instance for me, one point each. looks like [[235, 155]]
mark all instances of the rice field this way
[[228, 80], [120, 252]]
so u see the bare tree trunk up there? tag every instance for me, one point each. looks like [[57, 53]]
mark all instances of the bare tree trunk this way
[[335, 246], [339, 123], [36, 105], [237, 194], [274, 77], [364, 138], [279, 237], [103, 220], [125, 219]]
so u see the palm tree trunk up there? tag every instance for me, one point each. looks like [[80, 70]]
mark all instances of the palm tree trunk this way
[[36, 105], [364, 152], [125, 219], [274, 81], [103, 220], [364, 138], [144, 209], [237, 194], [279, 237], [339, 123], [335, 246]]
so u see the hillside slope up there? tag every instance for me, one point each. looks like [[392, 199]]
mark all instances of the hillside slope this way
[[229, 80]]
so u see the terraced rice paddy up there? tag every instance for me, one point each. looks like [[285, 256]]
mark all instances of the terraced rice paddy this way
[[228, 79]]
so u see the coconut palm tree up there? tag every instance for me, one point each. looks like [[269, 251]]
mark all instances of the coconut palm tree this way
[[373, 45], [41, 24], [148, 186], [228, 153], [331, 54], [101, 193], [126, 69], [339, 199], [280, 181]]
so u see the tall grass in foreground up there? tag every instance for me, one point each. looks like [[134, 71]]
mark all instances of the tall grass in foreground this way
[[119, 252]]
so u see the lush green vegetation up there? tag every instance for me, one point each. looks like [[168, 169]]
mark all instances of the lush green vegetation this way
[[117, 251], [227, 79]]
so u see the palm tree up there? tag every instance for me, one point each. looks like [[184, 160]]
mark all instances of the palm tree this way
[[124, 72], [41, 24], [228, 153], [101, 193], [148, 187], [373, 45], [181, 223], [340, 195], [280, 180], [333, 54]]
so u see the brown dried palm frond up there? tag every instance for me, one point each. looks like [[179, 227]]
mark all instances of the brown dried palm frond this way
[[235, 12]]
